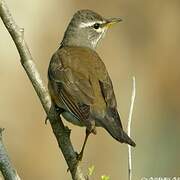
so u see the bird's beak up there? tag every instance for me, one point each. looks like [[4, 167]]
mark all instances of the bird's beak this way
[[112, 21]]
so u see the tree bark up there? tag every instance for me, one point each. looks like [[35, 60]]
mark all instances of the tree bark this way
[[7, 169]]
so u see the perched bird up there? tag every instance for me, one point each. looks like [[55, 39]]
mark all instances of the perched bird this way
[[79, 83]]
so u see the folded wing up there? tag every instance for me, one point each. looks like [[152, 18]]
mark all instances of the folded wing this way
[[72, 90]]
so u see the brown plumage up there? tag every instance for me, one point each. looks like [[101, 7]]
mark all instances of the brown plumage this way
[[79, 83]]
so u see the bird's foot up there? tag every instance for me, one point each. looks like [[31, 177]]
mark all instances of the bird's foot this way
[[93, 131], [79, 157], [78, 160], [54, 111], [46, 119]]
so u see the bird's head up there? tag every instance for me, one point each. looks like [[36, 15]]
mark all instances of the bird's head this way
[[86, 28]]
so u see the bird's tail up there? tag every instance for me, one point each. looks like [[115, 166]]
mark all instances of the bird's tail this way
[[112, 124], [127, 139], [120, 135]]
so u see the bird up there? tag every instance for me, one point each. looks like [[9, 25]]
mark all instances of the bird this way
[[78, 81]]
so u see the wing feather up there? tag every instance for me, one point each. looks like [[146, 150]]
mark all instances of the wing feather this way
[[71, 88]]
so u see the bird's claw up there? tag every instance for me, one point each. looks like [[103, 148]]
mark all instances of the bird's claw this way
[[46, 119], [79, 156], [78, 160]]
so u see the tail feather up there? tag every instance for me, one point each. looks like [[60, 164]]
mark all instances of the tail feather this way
[[121, 136], [112, 124], [128, 140]]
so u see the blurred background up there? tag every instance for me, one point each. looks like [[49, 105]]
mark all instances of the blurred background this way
[[146, 44]]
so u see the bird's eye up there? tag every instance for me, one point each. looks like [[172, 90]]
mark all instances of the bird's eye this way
[[96, 26]]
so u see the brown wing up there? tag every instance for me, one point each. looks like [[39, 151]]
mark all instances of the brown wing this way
[[110, 99], [71, 88], [112, 122], [108, 91]]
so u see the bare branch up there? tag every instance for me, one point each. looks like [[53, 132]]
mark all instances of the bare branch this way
[[61, 132], [129, 128], [6, 167]]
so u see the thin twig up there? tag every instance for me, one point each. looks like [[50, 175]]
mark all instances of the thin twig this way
[[61, 132], [129, 128], [8, 171]]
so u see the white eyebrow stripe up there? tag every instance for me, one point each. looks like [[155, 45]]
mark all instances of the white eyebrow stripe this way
[[88, 24]]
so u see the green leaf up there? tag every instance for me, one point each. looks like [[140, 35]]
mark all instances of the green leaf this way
[[91, 170], [104, 177]]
